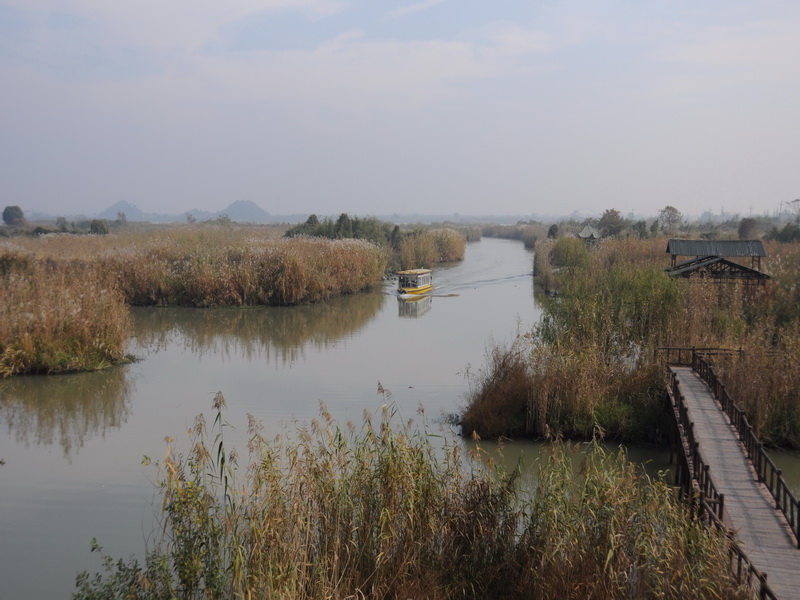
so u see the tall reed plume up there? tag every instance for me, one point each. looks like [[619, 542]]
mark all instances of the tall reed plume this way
[[381, 512]]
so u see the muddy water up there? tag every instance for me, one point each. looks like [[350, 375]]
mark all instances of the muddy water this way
[[73, 445]]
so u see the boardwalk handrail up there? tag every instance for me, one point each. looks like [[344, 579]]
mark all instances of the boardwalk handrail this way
[[682, 356], [677, 355], [766, 471], [695, 479]]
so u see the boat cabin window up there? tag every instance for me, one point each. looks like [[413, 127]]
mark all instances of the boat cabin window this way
[[413, 280]]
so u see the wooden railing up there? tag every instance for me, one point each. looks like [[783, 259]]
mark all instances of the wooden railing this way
[[694, 479], [770, 475], [684, 355]]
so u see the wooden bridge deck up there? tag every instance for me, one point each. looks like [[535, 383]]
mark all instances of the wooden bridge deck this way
[[749, 509]]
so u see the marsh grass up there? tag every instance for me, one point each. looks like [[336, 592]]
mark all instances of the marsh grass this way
[[248, 271], [217, 265], [58, 318], [528, 233], [379, 511], [592, 360], [65, 297], [764, 380], [426, 247]]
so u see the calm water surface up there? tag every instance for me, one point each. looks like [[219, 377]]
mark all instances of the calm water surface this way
[[73, 445]]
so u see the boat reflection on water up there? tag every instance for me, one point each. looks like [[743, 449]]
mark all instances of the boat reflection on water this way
[[414, 306]]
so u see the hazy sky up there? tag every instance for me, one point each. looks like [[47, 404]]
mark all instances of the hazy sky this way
[[432, 106]]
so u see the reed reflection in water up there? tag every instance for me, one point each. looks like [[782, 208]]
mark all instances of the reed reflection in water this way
[[278, 335], [528, 456], [65, 410]]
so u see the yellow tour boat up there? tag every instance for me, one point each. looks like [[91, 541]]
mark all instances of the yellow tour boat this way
[[414, 281]]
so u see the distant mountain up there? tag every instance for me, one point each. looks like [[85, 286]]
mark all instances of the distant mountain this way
[[246, 211], [241, 211], [134, 214], [131, 211]]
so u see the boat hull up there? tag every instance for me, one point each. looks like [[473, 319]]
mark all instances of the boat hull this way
[[423, 289]]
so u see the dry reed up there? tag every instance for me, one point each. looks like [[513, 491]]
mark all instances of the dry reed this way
[[425, 247], [65, 296], [248, 272], [380, 512], [58, 318]]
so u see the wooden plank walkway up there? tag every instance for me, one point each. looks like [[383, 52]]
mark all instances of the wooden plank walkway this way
[[749, 509]]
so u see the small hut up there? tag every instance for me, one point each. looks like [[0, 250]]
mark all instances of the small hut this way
[[710, 259]]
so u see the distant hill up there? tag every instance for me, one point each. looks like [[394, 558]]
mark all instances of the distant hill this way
[[246, 211], [132, 212], [241, 211]]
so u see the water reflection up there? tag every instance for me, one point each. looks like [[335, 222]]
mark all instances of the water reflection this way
[[65, 409], [414, 307], [788, 461], [277, 333], [529, 456]]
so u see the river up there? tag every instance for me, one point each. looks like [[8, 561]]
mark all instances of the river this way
[[73, 445]]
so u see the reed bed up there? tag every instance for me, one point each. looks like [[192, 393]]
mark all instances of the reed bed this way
[[66, 297], [381, 512], [592, 360], [58, 318], [425, 247], [763, 377], [249, 272], [528, 233]]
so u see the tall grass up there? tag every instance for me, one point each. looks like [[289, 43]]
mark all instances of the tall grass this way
[[379, 511], [58, 318], [248, 272], [528, 233], [65, 298], [592, 359], [539, 389], [425, 247], [763, 378], [219, 266]]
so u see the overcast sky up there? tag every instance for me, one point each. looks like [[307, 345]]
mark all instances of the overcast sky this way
[[376, 107]]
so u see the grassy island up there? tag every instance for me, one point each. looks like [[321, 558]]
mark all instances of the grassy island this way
[[65, 296]]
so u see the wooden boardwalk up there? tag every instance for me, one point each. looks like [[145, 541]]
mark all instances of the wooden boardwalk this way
[[749, 509]]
